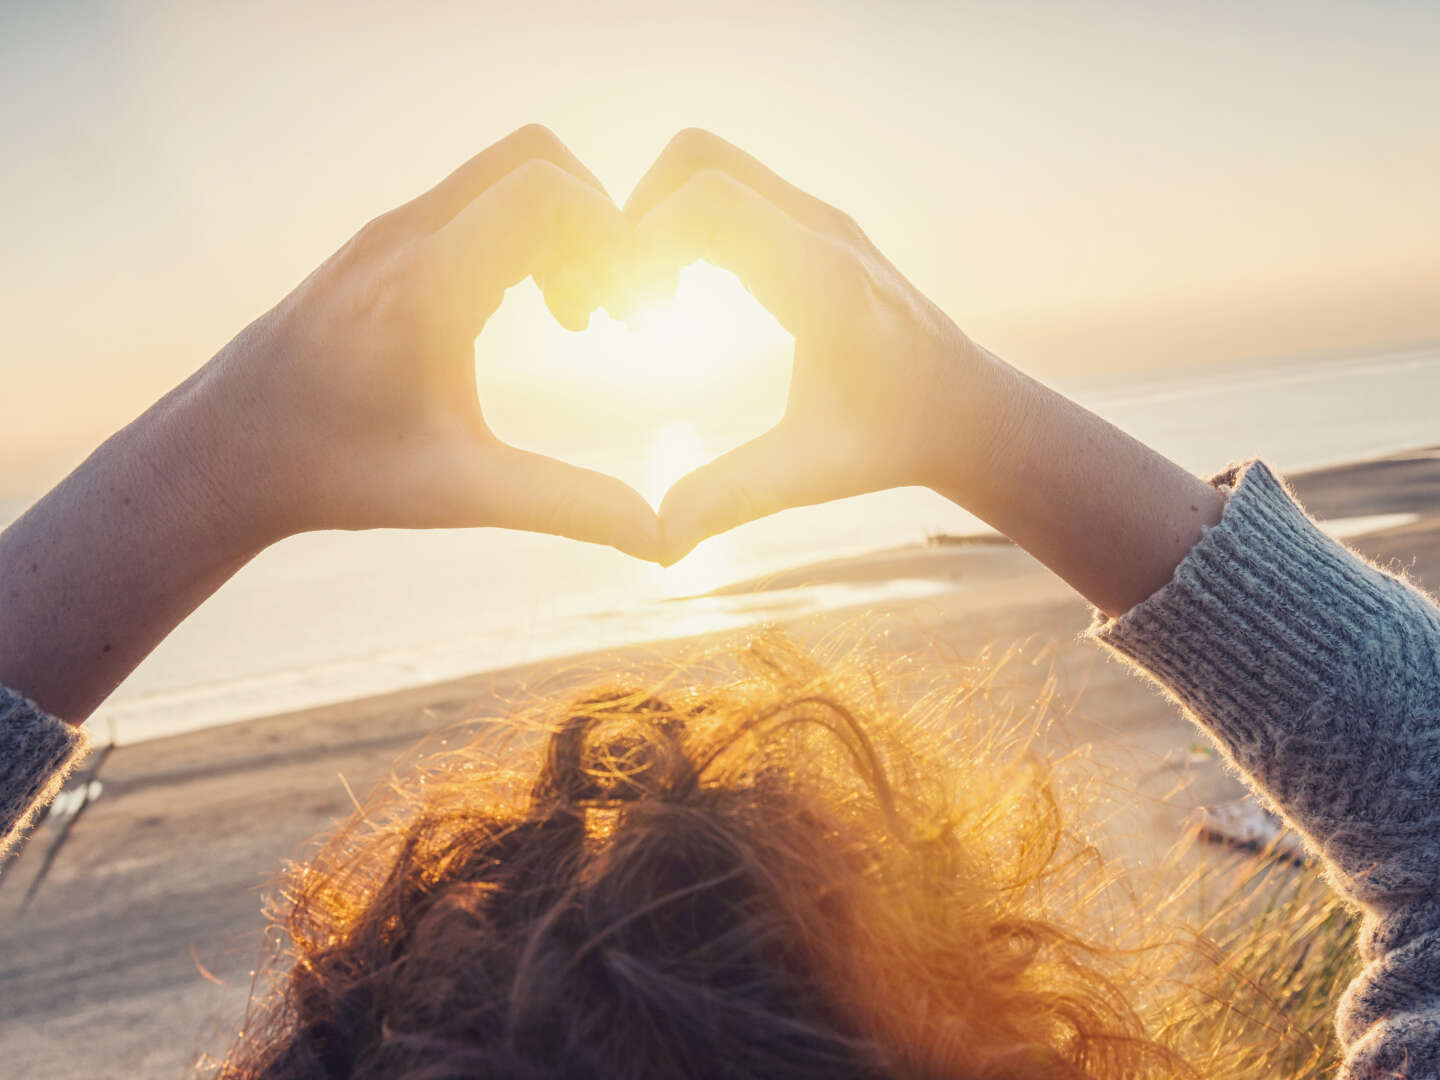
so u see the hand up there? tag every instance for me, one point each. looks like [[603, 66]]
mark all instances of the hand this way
[[352, 404], [881, 375], [886, 391]]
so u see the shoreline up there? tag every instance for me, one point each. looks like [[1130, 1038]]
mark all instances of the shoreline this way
[[876, 578]]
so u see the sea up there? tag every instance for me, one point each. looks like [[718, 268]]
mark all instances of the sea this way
[[329, 617]]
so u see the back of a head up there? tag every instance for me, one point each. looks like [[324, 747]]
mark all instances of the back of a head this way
[[745, 882]]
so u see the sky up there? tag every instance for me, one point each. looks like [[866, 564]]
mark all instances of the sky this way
[[1087, 188]]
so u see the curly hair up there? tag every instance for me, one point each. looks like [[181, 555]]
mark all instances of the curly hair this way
[[754, 879]]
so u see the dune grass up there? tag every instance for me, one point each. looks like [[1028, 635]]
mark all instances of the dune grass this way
[[1278, 946]]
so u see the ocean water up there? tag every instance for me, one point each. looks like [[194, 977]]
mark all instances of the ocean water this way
[[335, 616]]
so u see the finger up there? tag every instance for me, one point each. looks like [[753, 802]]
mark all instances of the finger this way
[[533, 142], [694, 151], [540, 494], [536, 220], [798, 274], [754, 480], [572, 291]]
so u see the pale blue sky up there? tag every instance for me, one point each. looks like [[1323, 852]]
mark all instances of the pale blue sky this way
[[1085, 187]]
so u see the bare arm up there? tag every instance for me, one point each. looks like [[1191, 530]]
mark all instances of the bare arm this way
[[350, 405], [97, 572], [886, 392], [1108, 514]]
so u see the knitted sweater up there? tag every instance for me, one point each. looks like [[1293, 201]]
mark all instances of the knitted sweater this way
[[1318, 676]]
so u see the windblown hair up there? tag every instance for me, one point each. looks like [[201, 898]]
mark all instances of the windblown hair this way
[[756, 879]]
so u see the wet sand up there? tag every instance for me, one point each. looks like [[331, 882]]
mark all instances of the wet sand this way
[[135, 952]]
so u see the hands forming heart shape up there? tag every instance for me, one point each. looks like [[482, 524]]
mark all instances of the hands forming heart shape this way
[[356, 395]]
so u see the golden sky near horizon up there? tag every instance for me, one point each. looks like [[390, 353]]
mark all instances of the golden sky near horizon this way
[[1085, 187]]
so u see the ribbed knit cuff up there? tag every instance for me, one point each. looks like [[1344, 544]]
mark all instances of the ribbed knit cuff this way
[[1262, 618], [37, 752]]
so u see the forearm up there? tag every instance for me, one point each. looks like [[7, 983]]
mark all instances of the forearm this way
[[1099, 508], [1317, 676], [102, 568]]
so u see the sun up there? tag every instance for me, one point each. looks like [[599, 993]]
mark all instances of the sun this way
[[711, 345], [647, 400], [711, 334]]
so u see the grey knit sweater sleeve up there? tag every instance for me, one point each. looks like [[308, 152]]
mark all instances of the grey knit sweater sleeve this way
[[37, 752], [1319, 677]]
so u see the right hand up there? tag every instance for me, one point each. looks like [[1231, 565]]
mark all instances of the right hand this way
[[881, 375]]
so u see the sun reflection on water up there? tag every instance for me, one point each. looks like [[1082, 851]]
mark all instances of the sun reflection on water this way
[[713, 564]]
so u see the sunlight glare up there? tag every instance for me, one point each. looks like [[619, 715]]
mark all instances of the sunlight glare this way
[[707, 337], [645, 401], [675, 451]]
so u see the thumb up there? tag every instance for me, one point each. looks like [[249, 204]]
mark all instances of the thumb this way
[[540, 494], [758, 478]]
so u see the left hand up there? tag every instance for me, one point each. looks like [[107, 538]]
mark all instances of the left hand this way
[[352, 404]]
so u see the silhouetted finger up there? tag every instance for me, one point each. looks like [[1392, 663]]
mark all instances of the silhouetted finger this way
[[540, 494], [801, 276], [537, 217], [533, 142], [760, 478], [694, 151]]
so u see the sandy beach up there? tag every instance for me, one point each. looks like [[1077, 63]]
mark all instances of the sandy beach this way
[[134, 951]]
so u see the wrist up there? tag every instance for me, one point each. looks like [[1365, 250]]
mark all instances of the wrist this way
[[198, 468], [98, 571], [983, 407]]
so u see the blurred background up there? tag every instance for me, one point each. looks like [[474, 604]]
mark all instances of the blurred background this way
[[1216, 224]]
